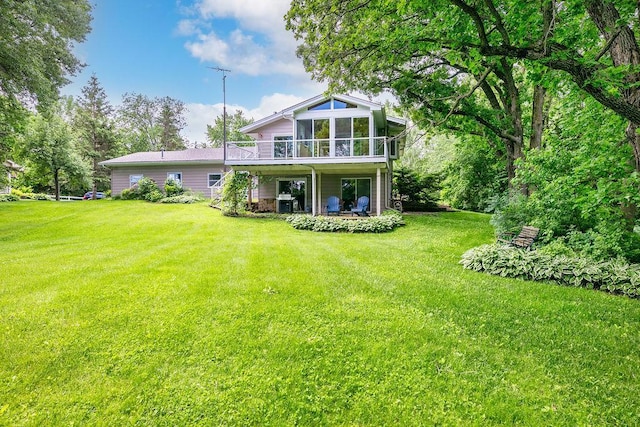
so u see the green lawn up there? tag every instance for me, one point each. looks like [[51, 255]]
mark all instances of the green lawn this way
[[116, 313]]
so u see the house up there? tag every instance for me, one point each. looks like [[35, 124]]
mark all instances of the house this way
[[199, 169], [11, 168], [325, 146]]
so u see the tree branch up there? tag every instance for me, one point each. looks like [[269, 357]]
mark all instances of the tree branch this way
[[466, 95]]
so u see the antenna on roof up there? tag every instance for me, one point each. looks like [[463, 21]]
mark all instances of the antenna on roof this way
[[224, 109]]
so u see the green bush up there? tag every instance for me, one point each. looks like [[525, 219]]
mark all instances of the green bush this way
[[128, 194], [154, 195], [418, 192], [145, 189], [376, 224], [616, 276], [9, 198], [172, 188], [183, 198]]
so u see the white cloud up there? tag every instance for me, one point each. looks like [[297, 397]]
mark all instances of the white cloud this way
[[188, 27], [259, 45], [273, 103], [198, 116]]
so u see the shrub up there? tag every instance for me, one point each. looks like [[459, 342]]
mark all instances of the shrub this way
[[418, 192], [234, 193], [155, 195], [376, 224], [128, 194], [9, 198], [183, 198], [145, 187], [172, 188], [616, 276]]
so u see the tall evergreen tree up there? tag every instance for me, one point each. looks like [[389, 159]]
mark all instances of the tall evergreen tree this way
[[97, 130]]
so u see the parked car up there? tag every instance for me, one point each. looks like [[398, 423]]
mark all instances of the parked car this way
[[89, 195]]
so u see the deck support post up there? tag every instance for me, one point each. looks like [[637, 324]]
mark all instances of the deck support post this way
[[379, 192], [319, 193], [249, 192], [314, 198]]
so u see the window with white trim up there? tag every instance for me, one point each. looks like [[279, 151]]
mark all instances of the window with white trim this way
[[175, 176], [213, 179], [133, 180]]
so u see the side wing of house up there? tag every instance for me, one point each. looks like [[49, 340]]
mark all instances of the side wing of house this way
[[197, 178], [199, 170]]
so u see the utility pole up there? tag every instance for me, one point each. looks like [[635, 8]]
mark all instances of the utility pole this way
[[224, 109]]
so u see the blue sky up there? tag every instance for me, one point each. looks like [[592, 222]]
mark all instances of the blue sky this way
[[164, 48]]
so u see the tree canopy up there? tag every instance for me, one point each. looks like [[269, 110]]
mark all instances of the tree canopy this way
[[461, 64], [151, 124], [36, 56], [235, 121]]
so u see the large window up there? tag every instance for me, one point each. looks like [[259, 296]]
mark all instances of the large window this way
[[283, 146], [361, 136], [353, 188], [352, 136], [313, 137]]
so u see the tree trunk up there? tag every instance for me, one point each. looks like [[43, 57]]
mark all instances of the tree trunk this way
[[95, 184], [56, 183], [623, 49], [537, 117]]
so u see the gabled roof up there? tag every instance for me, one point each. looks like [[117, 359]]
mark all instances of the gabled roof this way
[[150, 158], [288, 112]]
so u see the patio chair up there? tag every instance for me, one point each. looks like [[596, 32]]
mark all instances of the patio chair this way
[[523, 240], [361, 207], [333, 205]]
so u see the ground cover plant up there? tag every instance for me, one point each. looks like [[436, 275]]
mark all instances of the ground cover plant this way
[[388, 221], [125, 312]]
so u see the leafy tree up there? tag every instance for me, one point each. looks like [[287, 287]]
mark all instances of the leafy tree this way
[[49, 150], [412, 49], [582, 178], [36, 43], [215, 133], [151, 124], [98, 137]]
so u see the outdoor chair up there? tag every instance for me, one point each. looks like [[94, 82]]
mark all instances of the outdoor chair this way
[[333, 205], [361, 207], [522, 240]]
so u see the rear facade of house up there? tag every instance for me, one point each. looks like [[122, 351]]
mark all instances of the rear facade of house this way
[[326, 146]]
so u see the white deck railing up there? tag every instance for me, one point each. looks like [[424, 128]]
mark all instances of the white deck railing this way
[[338, 148]]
